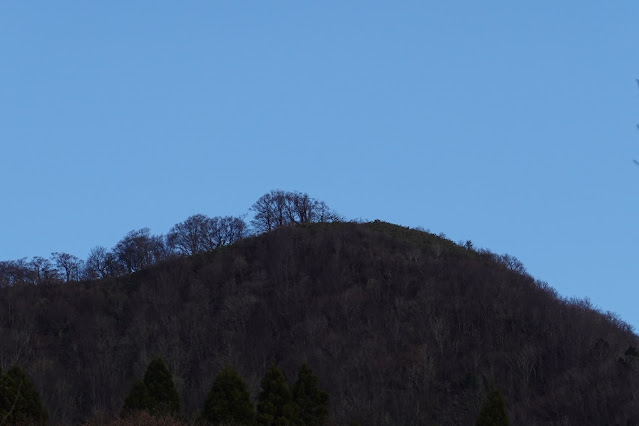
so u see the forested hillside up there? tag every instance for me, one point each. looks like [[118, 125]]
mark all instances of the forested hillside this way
[[400, 326]]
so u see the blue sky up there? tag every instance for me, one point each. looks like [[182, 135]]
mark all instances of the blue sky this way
[[511, 125]]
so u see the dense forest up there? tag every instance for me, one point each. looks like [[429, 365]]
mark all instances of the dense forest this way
[[399, 326]]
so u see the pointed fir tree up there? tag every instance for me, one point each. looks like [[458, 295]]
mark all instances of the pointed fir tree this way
[[20, 401], [275, 404], [229, 400], [493, 412], [137, 400], [156, 393], [312, 401], [163, 396]]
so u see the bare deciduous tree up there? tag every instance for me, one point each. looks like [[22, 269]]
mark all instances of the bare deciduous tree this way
[[200, 233], [270, 211], [42, 270], [139, 249], [101, 263], [189, 237], [69, 264], [225, 230], [13, 272], [278, 208]]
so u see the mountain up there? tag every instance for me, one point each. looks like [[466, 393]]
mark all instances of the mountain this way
[[400, 326]]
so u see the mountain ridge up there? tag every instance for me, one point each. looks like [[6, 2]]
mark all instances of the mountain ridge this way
[[401, 327]]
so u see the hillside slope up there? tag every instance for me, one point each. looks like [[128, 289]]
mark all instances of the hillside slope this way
[[401, 327]]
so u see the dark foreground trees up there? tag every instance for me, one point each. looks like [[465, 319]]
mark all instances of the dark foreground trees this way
[[275, 404], [155, 394], [20, 402], [311, 400], [305, 404], [493, 412], [229, 400]]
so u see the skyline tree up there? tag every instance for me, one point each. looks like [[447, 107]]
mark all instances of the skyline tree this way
[[278, 208], [139, 249], [68, 265]]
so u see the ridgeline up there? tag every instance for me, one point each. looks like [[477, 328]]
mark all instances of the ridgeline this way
[[399, 325]]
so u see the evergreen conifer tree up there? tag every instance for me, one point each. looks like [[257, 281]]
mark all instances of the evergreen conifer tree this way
[[312, 401], [20, 401], [156, 393], [229, 400], [137, 400], [493, 412], [275, 404], [163, 395]]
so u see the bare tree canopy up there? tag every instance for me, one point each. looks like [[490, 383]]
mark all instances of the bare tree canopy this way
[[278, 208], [101, 263], [14, 271], [225, 230], [189, 237], [200, 233], [139, 249], [68, 264], [42, 270]]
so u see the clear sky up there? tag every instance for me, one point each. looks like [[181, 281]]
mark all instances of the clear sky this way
[[511, 124]]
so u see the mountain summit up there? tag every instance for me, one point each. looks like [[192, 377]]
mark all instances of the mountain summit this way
[[399, 325]]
